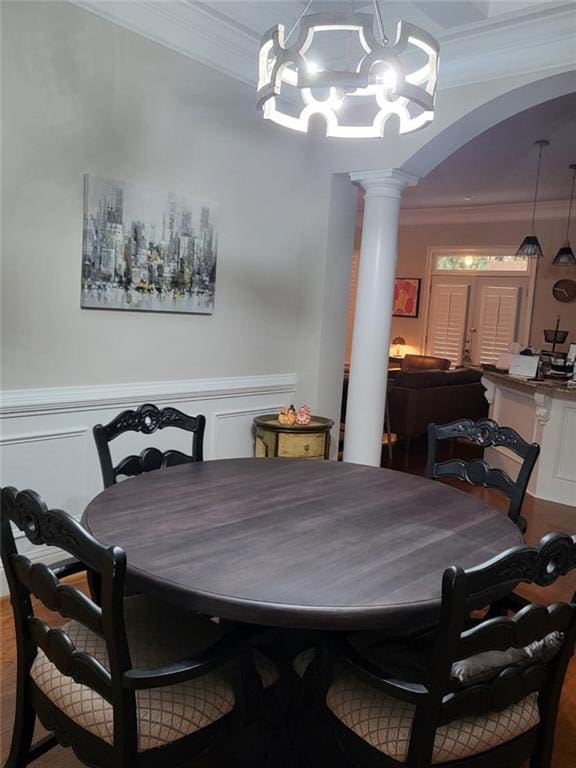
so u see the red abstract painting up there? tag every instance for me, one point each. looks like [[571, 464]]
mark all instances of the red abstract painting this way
[[406, 296]]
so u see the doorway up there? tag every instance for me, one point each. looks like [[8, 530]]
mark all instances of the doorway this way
[[479, 301]]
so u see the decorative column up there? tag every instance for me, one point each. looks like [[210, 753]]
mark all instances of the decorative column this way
[[373, 316]]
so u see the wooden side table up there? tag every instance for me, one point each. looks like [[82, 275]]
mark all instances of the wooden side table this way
[[309, 441]]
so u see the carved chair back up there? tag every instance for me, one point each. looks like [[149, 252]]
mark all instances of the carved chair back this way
[[465, 591], [29, 513], [438, 700], [485, 433], [147, 419]]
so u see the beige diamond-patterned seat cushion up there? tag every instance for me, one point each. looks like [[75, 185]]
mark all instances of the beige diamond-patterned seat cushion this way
[[386, 723], [157, 635]]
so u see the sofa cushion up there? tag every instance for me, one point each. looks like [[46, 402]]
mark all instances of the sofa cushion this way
[[419, 379], [461, 376], [424, 362], [436, 378]]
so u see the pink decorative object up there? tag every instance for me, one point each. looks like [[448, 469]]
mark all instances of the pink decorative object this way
[[303, 415]]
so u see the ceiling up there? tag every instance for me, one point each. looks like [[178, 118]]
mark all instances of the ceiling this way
[[478, 38], [499, 166]]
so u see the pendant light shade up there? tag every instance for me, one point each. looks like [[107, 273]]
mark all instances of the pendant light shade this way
[[530, 245], [565, 256]]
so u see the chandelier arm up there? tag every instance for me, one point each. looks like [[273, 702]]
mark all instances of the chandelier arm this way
[[298, 20], [380, 23], [571, 202]]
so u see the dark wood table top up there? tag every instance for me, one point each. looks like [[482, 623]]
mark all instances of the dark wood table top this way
[[297, 543]]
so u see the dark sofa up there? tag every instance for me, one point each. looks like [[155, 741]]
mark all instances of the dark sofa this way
[[417, 398]]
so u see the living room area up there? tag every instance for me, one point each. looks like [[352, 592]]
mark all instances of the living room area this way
[[463, 297]]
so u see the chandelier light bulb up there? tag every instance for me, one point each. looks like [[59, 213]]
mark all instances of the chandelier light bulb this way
[[313, 67]]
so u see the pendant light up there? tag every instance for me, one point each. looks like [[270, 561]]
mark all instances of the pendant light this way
[[565, 256], [384, 79], [530, 245]]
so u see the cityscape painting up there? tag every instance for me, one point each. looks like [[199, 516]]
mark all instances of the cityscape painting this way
[[146, 250]]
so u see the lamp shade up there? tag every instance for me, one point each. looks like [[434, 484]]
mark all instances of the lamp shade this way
[[530, 247], [398, 340], [565, 256]]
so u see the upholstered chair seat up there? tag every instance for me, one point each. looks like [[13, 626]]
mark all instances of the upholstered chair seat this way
[[386, 722], [157, 635]]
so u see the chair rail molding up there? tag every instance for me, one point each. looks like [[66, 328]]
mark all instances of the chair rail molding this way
[[21, 402], [46, 434]]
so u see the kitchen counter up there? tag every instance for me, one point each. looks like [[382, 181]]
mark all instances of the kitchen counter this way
[[543, 412]]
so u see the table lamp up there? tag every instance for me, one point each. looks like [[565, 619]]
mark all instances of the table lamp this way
[[399, 342]]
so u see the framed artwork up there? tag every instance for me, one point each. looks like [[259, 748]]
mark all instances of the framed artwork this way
[[147, 250], [406, 296]]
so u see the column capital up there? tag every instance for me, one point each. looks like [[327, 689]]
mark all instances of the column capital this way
[[387, 182]]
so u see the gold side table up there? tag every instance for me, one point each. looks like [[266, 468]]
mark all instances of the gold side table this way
[[303, 441]]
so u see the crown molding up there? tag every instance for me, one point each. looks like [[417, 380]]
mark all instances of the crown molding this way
[[192, 30], [509, 44], [548, 210]]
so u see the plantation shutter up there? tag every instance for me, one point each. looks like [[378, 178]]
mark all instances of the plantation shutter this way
[[447, 325], [498, 321]]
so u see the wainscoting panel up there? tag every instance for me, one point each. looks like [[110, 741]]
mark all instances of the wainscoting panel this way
[[46, 438]]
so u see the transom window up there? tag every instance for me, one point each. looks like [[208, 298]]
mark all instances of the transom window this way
[[469, 262]]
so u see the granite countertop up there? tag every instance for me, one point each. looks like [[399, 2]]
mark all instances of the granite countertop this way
[[550, 386]]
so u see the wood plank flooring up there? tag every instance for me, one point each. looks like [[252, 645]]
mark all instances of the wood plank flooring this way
[[542, 517]]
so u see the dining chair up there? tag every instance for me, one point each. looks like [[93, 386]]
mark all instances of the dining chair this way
[[485, 433], [131, 682], [481, 694], [147, 419]]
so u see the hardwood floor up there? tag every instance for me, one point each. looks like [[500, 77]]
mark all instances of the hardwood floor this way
[[542, 517]]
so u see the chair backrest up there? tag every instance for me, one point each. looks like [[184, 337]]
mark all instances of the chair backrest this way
[[464, 591], [29, 513], [485, 433], [147, 419], [424, 363]]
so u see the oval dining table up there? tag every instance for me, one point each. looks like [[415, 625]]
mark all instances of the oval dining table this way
[[297, 543]]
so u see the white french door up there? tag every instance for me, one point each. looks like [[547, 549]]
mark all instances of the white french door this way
[[448, 318], [474, 318], [494, 321]]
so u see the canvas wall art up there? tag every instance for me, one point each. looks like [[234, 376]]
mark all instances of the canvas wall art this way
[[406, 296], [148, 250]]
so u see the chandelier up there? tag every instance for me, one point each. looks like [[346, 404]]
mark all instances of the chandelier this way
[[382, 80]]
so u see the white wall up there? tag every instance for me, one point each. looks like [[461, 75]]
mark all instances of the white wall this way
[[82, 95]]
